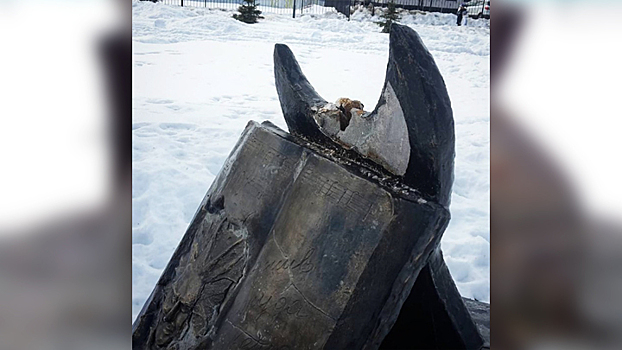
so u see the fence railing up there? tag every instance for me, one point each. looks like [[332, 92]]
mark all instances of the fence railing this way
[[298, 7], [444, 6], [287, 7]]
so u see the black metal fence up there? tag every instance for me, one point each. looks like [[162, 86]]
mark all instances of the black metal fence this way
[[286, 7], [444, 6], [299, 7]]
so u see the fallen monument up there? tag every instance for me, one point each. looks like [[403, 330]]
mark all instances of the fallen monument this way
[[322, 237]]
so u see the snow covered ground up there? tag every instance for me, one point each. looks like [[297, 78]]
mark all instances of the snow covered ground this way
[[199, 76]]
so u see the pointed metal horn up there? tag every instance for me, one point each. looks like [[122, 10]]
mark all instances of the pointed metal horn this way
[[410, 133], [414, 78], [298, 98]]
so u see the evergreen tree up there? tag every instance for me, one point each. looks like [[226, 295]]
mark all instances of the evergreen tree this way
[[248, 12], [389, 17]]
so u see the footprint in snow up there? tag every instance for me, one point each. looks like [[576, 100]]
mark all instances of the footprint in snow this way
[[159, 101], [136, 126], [177, 126]]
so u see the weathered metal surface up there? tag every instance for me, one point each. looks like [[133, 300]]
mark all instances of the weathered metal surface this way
[[314, 241], [435, 316], [220, 246], [480, 314], [290, 250], [410, 132]]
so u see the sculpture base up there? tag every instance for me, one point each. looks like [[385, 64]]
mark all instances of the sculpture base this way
[[292, 250]]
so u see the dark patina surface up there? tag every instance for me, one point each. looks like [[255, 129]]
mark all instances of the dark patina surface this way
[[290, 250], [322, 239]]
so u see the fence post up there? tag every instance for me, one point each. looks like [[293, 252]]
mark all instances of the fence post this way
[[294, 12], [350, 4], [182, 3]]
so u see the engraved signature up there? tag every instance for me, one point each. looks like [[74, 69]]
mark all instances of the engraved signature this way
[[304, 265], [273, 308]]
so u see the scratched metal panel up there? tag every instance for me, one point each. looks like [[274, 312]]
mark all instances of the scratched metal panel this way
[[220, 245], [289, 250], [311, 262]]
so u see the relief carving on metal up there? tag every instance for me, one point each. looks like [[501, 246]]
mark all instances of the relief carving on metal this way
[[317, 240]]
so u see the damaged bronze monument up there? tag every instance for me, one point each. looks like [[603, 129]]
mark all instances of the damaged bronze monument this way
[[322, 237]]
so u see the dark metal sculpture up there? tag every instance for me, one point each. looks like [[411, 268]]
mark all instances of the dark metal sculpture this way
[[317, 239], [410, 133]]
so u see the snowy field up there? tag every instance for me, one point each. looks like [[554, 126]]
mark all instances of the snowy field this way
[[199, 76]]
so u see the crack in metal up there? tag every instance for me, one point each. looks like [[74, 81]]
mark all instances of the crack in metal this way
[[246, 333], [310, 303]]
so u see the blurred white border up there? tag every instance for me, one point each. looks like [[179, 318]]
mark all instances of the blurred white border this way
[[564, 83], [54, 146]]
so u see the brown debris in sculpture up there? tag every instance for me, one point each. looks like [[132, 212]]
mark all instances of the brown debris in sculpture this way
[[410, 130], [335, 117], [347, 108]]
